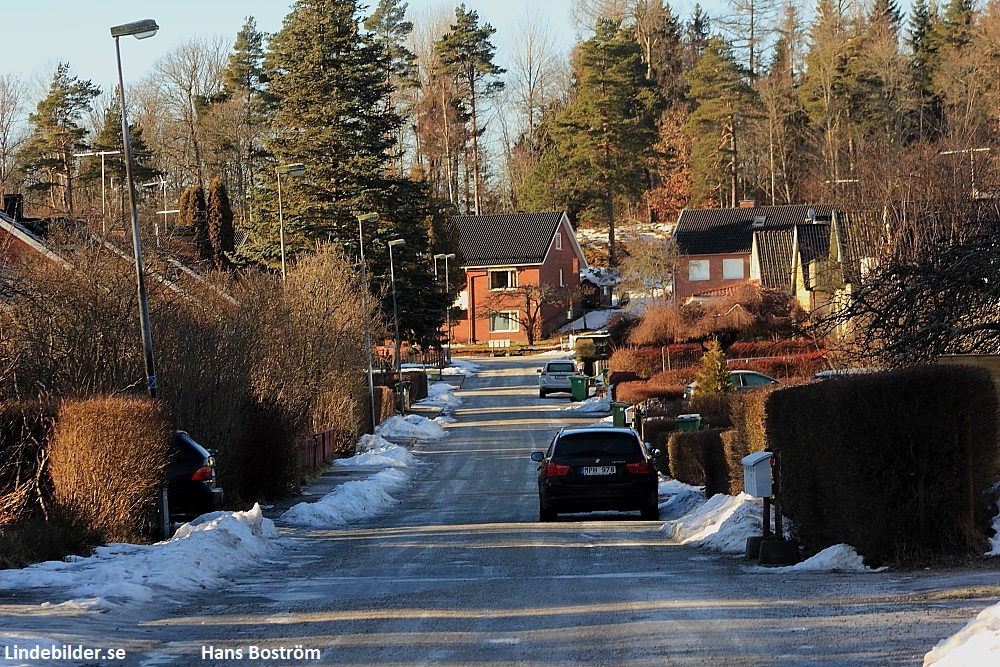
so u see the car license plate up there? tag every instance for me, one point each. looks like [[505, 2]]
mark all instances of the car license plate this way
[[598, 470]]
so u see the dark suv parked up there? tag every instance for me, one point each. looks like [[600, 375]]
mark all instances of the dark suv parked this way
[[593, 469], [192, 489]]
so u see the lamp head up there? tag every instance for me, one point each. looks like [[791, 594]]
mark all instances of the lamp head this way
[[367, 217], [140, 29], [396, 242]]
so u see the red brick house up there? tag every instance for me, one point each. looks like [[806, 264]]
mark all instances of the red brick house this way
[[716, 244], [515, 263]]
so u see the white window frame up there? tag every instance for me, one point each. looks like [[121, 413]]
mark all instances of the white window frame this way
[[728, 272], [699, 269], [557, 244], [511, 279], [511, 317], [561, 280]]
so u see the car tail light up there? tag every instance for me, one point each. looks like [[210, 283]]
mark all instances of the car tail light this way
[[556, 470], [202, 474], [638, 468]]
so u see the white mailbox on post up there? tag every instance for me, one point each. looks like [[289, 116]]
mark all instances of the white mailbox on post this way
[[757, 474]]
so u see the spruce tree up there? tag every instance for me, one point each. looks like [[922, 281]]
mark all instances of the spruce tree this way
[[219, 223], [713, 374], [192, 214], [327, 90], [57, 132]]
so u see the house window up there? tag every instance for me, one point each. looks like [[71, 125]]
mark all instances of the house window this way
[[561, 283], [503, 279], [504, 321], [558, 241], [698, 269], [732, 269]]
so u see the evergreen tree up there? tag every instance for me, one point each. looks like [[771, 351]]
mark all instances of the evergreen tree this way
[[193, 215], [328, 86], [219, 223], [467, 55], [603, 140], [718, 86], [56, 133], [713, 374], [389, 27], [109, 139]]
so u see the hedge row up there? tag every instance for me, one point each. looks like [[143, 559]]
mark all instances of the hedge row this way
[[890, 463], [696, 458]]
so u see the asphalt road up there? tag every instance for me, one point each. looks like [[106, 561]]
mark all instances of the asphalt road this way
[[462, 574]]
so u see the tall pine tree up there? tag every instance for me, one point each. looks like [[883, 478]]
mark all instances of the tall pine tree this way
[[467, 55], [57, 132]]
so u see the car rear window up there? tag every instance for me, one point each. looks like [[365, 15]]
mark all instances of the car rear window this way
[[561, 367], [590, 444]]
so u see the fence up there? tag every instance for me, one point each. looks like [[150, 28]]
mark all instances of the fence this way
[[315, 451]]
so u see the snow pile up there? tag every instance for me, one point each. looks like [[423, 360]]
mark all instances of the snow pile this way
[[978, 643], [594, 320], [593, 405], [441, 393], [375, 450], [680, 497], [722, 523], [196, 557], [838, 558], [459, 367], [350, 501], [410, 426]]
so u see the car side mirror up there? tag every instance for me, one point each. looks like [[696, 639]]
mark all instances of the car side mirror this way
[[538, 456], [656, 453]]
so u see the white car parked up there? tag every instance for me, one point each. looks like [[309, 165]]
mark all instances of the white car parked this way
[[555, 376]]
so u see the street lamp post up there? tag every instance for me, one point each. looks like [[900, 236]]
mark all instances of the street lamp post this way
[[447, 289], [295, 169], [140, 30], [395, 319], [363, 218]]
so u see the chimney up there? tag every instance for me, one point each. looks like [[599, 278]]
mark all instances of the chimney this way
[[748, 203]]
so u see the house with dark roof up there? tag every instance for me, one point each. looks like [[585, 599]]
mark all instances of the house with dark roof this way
[[717, 247], [503, 256]]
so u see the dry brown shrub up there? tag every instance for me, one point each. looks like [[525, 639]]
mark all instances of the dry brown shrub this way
[[107, 459]]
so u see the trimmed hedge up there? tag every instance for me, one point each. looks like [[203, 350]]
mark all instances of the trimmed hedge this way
[[748, 435], [696, 458], [890, 463]]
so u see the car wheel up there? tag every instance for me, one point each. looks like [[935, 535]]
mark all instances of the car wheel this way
[[546, 514], [650, 513]]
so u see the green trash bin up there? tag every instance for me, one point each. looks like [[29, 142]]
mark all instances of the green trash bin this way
[[688, 422], [618, 413], [578, 387]]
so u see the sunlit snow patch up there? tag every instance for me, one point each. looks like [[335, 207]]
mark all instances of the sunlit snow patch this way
[[723, 523], [978, 643], [351, 501], [838, 558], [597, 404], [410, 426], [374, 450], [195, 558]]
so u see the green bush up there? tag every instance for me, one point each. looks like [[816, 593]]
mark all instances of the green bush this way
[[696, 458]]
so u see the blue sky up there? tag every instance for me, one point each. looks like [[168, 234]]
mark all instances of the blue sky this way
[[79, 32]]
